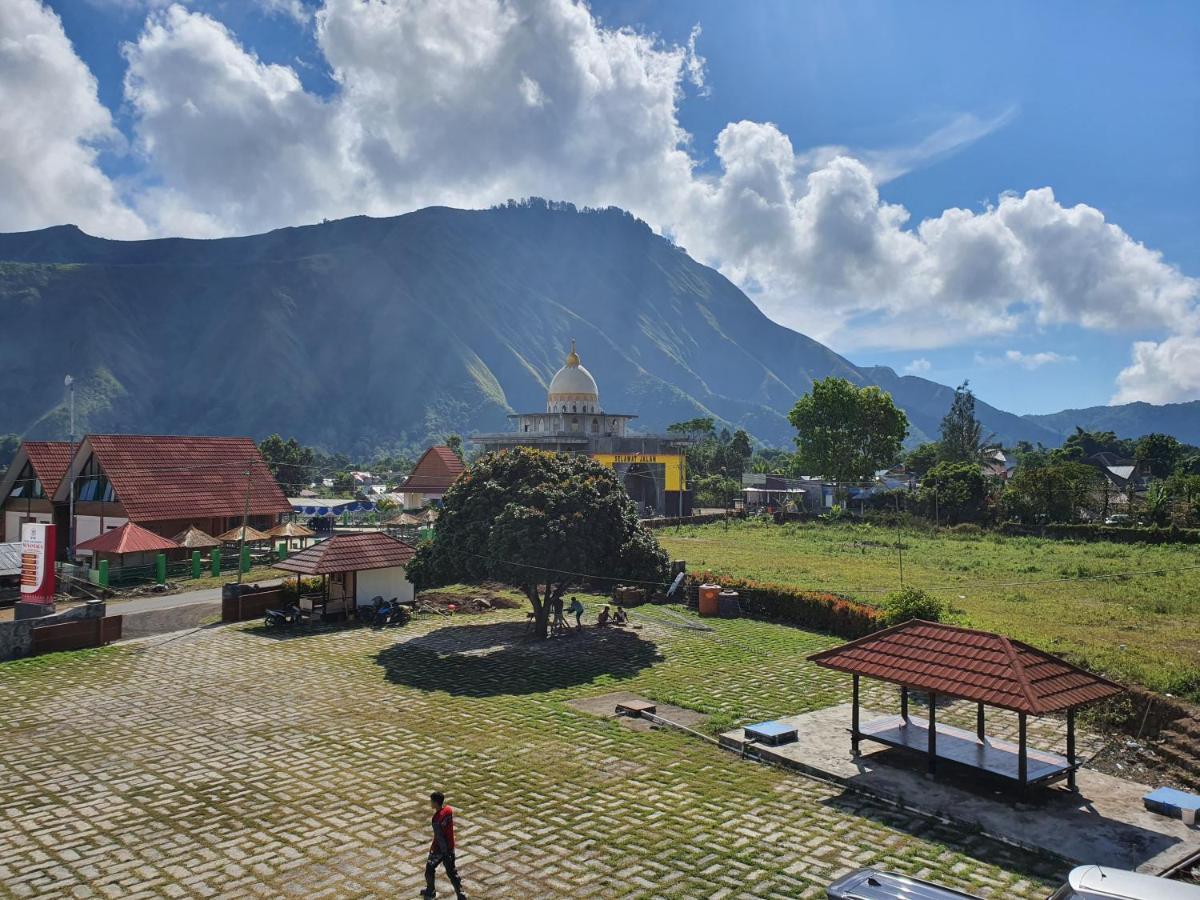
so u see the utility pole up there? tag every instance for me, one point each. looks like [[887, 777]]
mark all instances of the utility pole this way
[[70, 384], [242, 534], [899, 545]]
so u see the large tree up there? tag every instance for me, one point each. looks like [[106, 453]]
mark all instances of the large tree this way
[[962, 433], [845, 432], [539, 521], [291, 463], [955, 492], [1157, 454]]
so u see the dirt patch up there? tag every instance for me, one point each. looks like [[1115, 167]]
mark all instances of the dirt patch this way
[[484, 601], [605, 706]]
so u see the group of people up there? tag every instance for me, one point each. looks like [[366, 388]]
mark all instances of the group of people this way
[[606, 617]]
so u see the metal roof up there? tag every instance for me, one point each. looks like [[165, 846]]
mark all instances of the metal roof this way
[[970, 665]]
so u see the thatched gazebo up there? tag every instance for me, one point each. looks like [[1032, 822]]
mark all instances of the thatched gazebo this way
[[404, 520], [291, 531], [234, 535], [192, 538]]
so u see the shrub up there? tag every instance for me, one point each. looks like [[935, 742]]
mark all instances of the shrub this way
[[911, 603], [965, 528], [817, 610]]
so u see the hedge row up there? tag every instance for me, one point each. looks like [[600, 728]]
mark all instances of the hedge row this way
[[815, 610], [1115, 533]]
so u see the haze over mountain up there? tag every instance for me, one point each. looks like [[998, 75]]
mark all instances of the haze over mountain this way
[[364, 333]]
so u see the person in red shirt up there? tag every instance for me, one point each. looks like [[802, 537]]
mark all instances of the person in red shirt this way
[[441, 851]]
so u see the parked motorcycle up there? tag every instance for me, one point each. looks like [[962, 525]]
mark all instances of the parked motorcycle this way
[[282, 618]]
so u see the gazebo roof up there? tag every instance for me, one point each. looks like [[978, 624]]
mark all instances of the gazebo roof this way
[[970, 665], [404, 519], [350, 553], [290, 530], [129, 538], [235, 534], [195, 539]]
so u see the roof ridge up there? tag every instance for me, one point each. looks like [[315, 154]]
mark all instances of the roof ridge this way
[[1022, 676]]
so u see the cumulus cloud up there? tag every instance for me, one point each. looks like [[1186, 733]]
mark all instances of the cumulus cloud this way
[[1028, 361], [918, 366], [52, 128], [472, 102], [1162, 372]]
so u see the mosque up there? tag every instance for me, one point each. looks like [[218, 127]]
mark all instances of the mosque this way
[[653, 467]]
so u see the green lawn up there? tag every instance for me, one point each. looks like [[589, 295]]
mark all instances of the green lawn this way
[[1143, 626]]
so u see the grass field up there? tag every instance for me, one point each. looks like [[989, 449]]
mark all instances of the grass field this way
[[1141, 624]]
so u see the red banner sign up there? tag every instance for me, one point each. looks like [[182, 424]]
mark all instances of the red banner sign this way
[[37, 562]]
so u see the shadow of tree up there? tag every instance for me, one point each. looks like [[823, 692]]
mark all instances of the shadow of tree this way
[[499, 658]]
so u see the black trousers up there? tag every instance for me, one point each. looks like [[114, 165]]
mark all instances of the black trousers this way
[[446, 860]]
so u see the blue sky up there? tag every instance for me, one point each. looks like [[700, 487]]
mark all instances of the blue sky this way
[[1098, 101]]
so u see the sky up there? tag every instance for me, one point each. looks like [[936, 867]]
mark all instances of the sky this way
[[1000, 192]]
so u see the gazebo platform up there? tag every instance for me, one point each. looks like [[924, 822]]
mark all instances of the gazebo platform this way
[[1104, 820], [996, 757]]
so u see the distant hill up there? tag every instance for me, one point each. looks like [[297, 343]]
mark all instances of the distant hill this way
[[1129, 420], [364, 334]]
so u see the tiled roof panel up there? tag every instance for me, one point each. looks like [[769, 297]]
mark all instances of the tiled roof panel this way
[[129, 538], [350, 553], [183, 477], [435, 471], [971, 665], [50, 461]]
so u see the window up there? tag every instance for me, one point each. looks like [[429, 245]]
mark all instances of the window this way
[[595, 425]]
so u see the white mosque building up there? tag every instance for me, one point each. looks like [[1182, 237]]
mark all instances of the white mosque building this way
[[654, 467]]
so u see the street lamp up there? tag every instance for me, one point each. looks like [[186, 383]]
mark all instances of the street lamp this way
[[69, 383]]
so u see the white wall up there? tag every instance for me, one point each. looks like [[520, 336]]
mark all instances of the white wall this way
[[88, 527], [386, 583], [12, 523]]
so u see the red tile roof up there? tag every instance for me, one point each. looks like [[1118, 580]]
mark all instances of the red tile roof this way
[[181, 477], [435, 471], [129, 538], [50, 461], [970, 665], [350, 553]]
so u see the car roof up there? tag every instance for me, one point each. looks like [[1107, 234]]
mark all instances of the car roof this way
[[869, 884], [1101, 881]]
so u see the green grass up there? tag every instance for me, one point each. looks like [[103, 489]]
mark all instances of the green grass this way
[[1142, 627]]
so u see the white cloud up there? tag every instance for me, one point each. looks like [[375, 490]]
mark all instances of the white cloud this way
[[1163, 372], [52, 127], [1028, 361], [918, 366], [471, 102]]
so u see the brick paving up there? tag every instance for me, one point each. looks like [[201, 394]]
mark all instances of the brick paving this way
[[230, 763]]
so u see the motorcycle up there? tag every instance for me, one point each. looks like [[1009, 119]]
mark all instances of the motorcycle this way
[[282, 618]]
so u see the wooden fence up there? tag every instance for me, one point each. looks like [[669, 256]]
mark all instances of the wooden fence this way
[[250, 604], [77, 635]]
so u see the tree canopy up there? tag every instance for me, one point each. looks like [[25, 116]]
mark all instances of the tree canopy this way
[[846, 432], [291, 463], [962, 433], [541, 522]]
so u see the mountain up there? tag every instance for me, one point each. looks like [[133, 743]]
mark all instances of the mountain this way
[[1129, 420], [366, 334]]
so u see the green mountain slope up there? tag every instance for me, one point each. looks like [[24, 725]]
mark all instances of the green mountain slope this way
[[1129, 420], [367, 333]]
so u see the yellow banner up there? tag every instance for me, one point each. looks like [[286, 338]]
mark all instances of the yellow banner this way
[[674, 464]]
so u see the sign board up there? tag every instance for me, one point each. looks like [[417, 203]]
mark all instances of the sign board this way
[[673, 465], [37, 562]]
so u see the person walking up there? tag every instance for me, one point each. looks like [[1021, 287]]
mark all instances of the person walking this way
[[560, 623], [441, 851]]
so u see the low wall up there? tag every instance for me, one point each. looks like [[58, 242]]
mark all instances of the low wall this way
[[16, 638], [248, 603]]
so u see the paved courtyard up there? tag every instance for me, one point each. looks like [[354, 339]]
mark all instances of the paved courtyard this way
[[227, 762]]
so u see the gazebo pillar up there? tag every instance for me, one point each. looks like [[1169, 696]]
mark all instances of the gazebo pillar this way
[[904, 703], [1022, 753], [932, 733], [979, 723], [1071, 749], [854, 716]]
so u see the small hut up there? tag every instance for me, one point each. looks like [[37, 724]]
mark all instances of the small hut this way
[[295, 534], [354, 568], [234, 535], [192, 538], [129, 545]]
